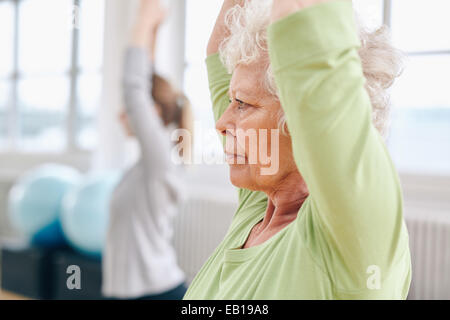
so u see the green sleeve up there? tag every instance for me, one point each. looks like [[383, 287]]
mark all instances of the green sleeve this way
[[219, 83], [353, 185]]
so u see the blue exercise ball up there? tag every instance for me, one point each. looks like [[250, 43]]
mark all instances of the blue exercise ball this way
[[35, 203], [85, 213]]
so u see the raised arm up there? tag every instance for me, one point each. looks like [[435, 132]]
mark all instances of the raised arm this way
[[141, 113], [353, 184], [219, 79]]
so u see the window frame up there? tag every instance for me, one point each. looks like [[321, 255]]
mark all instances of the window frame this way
[[387, 19], [71, 126]]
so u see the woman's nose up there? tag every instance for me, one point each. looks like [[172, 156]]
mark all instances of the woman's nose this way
[[225, 123]]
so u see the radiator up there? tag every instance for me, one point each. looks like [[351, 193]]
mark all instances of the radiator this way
[[199, 228], [429, 237]]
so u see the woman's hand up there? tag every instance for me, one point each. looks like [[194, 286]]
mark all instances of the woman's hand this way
[[280, 9], [150, 16], [220, 31], [283, 8]]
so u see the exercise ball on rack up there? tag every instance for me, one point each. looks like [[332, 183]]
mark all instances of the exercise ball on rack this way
[[86, 211], [35, 203]]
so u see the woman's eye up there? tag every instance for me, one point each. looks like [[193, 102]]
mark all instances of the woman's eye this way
[[241, 104]]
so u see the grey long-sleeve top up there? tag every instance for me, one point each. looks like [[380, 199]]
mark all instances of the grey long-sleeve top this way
[[138, 258]]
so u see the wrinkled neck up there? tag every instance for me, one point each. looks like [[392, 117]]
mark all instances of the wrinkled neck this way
[[284, 201]]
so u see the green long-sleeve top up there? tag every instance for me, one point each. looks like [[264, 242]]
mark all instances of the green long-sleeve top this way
[[349, 239]]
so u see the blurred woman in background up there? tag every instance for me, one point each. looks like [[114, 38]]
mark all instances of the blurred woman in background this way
[[139, 261]]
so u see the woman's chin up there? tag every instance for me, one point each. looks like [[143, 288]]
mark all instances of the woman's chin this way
[[239, 175]]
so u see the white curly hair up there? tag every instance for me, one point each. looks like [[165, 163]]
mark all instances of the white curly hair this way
[[247, 43]]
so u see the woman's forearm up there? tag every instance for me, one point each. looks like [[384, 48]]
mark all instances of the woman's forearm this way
[[147, 125], [342, 158], [149, 17], [142, 34]]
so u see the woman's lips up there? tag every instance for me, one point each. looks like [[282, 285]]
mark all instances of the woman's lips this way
[[232, 158]]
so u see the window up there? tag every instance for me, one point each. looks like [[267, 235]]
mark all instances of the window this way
[[50, 74], [420, 133], [419, 140]]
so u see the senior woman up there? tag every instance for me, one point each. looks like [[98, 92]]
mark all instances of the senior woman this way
[[328, 224]]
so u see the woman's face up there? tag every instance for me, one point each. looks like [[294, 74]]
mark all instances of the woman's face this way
[[250, 127]]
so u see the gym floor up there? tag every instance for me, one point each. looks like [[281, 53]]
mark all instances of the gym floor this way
[[5, 295]]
